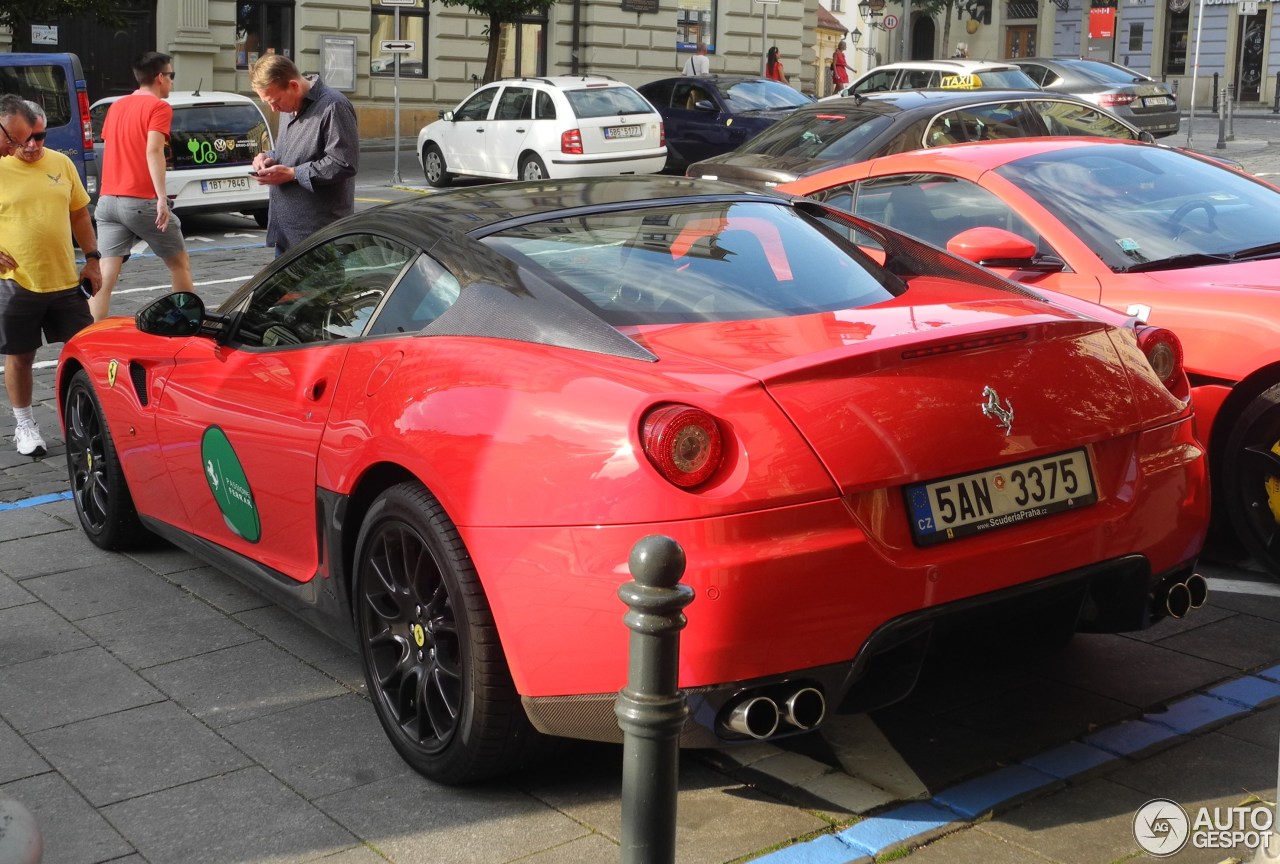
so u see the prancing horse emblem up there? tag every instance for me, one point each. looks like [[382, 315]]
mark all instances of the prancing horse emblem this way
[[1003, 415]]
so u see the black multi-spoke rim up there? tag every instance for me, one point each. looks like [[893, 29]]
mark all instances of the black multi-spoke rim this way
[[1259, 464], [87, 459], [411, 635]]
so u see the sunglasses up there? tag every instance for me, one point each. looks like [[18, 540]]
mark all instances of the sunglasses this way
[[35, 136], [171, 75]]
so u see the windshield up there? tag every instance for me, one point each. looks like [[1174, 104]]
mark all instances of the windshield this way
[[995, 79], [1107, 72], [712, 261], [1134, 206], [826, 135], [761, 94]]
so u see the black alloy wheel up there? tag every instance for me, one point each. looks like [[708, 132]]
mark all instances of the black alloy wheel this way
[[1251, 479], [432, 660], [101, 494]]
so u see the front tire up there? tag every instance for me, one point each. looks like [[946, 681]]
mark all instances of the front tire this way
[[1251, 479], [433, 167], [98, 486], [531, 168], [432, 659]]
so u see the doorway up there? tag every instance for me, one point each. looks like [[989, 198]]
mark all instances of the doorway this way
[[1250, 30], [1020, 41]]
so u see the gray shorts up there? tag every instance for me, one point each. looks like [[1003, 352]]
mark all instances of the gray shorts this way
[[24, 315], [124, 221]]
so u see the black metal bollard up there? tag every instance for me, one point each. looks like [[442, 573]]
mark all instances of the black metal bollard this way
[[1222, 123], [1231, 112], [1214, 108], [1275, 109], [650, 709]]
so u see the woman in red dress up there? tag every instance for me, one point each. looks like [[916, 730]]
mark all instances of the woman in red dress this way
[[773, 66]]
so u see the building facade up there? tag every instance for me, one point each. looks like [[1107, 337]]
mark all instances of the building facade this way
[[441, 51]]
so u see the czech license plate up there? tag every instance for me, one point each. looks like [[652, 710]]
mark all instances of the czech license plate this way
[[229, 184], [611, 132], [1152, 101], [943, 510]]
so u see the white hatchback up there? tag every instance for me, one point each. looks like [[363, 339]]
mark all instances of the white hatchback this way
[[212, 142], [538, 128]]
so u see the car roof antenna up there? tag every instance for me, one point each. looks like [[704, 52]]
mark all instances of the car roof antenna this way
[[196, 92]]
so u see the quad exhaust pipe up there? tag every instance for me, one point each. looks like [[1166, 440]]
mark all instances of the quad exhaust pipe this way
[[758, 716], [1180, 596]]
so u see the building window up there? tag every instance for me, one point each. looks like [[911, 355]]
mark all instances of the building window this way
[[522, 50], [413, 28], [1135, 36], [837, 5], [263, 27], [1175, 54], [696, 22]]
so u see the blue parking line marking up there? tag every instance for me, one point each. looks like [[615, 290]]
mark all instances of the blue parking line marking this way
[[872, 836], [37, 501], [821, 850], [975, 797], [1069, 760], [1194, 712], [1272, 674], [1129, 737], [1250, 691]]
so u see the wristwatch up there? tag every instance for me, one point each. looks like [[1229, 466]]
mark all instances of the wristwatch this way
[[94, 254]]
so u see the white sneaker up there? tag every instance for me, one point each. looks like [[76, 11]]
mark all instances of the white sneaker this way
[[27, 437]]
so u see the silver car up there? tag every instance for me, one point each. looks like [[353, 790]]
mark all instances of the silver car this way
[[1149, 104]]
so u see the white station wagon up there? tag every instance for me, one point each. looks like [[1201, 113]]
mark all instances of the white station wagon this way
[[212, 141], [538, 128]]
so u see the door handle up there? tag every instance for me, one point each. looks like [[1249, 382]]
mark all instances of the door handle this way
[[521, 131], [316, 389]]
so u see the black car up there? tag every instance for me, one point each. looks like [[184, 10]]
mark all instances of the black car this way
[[705, 116], [856, 128], [1149, 104]]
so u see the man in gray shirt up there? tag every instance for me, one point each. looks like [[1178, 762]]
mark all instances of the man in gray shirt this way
[[312, 170]]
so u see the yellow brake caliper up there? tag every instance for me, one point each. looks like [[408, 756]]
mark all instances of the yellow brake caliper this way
[[1273, 488]]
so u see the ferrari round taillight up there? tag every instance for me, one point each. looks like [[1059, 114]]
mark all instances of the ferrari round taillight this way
[[1164, 352], [683, 443]]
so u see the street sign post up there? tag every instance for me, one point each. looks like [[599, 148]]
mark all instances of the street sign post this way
[[890, 22]]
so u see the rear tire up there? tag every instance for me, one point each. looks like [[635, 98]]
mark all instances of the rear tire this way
[[1251, 479], [432, 659], [101, 494], [434, 168], [531, 168], [260, 216]]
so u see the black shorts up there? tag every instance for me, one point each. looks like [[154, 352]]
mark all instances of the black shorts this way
[[24, 315]]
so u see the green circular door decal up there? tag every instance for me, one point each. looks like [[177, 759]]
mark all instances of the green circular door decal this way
[[230, 488]]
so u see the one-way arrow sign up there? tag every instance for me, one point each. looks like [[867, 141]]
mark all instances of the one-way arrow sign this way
[[398, 47]]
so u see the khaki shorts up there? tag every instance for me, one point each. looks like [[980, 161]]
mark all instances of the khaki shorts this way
[[122, 222], [24, 315]]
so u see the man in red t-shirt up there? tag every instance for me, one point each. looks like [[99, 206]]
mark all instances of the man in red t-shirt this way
[[133, 205]]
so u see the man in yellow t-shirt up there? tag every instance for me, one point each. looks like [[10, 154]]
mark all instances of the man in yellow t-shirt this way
[[42, 203]]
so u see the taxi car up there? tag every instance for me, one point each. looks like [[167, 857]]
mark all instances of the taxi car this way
[[439, 427]]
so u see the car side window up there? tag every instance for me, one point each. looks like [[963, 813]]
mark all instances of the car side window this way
[[327, 293], [659, 95], [918, 79], [424, 292], [477, 107], [1035, 73], [984, 123], [515, 103], [876, 81], [1069, 118], [545, 106], [934, 207]]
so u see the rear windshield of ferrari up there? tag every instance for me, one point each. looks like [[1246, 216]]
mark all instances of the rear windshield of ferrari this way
[[715, 261]]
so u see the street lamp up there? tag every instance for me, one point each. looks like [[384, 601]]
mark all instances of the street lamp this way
[[855, 37], [871, 14]]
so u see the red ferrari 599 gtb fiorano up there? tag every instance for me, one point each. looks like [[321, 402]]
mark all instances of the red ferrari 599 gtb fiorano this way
[[440, 426]]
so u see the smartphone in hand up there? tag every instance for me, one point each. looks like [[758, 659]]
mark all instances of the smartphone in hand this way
[[86, 288]]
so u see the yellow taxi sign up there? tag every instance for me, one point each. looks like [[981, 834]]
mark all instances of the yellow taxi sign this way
[[968, 81]]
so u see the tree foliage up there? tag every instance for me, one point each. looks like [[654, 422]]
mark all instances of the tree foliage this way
[[19, 15], [498, 12]]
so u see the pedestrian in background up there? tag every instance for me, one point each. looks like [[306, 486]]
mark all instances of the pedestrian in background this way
[[312, 170], [134, 205], [16, 123], [773, 67], [698, 64], [839, 68], [42, 204]]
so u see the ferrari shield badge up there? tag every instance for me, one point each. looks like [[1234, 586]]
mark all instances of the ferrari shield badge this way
[[225, 476], [1002, 414], [112, 369]]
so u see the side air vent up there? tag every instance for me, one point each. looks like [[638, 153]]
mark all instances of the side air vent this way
[[138, 375]]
